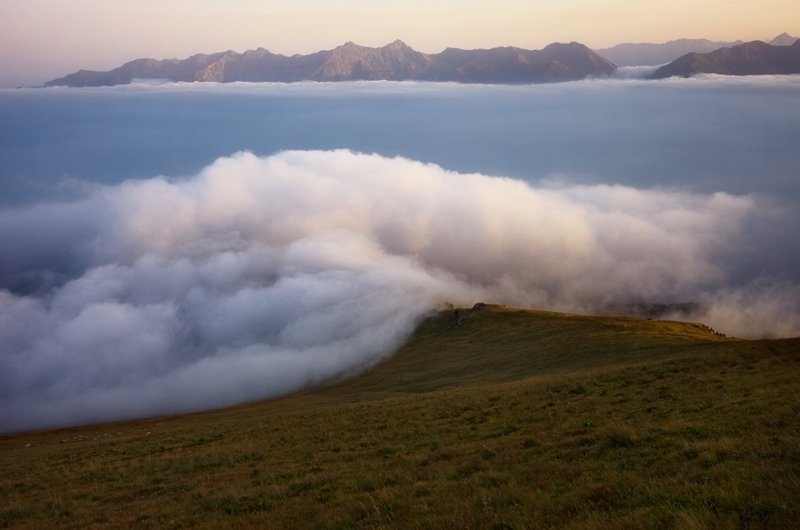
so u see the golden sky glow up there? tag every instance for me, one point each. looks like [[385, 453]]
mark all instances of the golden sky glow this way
[[47, 38]]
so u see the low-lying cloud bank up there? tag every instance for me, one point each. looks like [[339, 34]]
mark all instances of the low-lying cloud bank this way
[[260, 276]]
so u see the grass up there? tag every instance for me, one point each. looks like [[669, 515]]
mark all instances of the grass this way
[[510, 419]]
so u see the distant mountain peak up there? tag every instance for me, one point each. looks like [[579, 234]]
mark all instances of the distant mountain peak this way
[[784, 39]]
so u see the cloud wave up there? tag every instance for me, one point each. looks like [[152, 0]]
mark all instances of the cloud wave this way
[[260, 276]]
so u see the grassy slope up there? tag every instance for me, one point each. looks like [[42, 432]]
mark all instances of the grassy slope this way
[[510, 420], [496, 344]]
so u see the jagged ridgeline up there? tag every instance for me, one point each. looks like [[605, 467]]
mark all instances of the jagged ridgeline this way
[[393, 62]]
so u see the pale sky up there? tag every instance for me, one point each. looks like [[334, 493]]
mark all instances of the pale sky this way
[[44, 39]]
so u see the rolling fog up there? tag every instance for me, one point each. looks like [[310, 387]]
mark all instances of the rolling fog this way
[[269, 259]]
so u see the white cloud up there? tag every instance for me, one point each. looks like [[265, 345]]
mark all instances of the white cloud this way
[[260, 276]]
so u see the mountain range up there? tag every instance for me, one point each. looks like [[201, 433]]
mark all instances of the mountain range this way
[[652, 54], [505, 65], [751, 58], [395, 62]]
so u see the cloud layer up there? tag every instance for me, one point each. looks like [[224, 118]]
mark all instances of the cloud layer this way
[[718, 133], [260, 276]]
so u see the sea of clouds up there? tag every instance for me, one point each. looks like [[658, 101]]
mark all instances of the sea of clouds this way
[[712, 133], [263, 275]]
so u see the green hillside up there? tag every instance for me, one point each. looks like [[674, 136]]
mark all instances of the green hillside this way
[[486, 418], [492, 344]]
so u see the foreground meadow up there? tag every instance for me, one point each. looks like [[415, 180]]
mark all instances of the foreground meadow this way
[[487, 418]]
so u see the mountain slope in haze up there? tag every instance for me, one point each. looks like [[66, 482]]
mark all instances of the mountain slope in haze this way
[[487, 418], [752, 58], [652, 54], [395, 62], [784, 39]]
